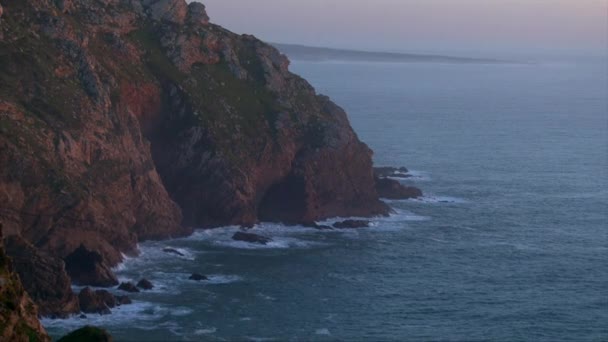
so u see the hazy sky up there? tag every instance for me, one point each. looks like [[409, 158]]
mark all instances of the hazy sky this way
[[421, 25]]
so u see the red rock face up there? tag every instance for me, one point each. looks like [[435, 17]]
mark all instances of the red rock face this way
[[117, 117]]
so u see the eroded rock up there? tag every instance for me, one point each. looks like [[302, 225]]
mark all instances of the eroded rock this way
[[87, 267], [393, 189], [251, 238], [92, 302], [128, 287], [44, 277], [145, 284]]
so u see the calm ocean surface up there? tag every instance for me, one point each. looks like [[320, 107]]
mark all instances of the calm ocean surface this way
[[509, 244]]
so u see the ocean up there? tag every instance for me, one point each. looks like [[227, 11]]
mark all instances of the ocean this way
[[510, 242]]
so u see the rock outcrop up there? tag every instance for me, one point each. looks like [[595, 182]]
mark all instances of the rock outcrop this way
[[18, 314], [87, 267], [127, 120], [393, 189], [88, 334], [98, 302], [44, 277]]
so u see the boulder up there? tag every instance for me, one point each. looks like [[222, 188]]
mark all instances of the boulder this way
[[251, 238], [44, 278], [197, 14], [87, 268], [1, 11], [392, 189], [91, 302], [197, 277], [387, 171], [88, 334], [145, 284], [128, 287], [316, 226], [352, 224], [123, 300], [106, 297]]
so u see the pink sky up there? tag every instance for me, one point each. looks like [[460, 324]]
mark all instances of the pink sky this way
[[431, 25]]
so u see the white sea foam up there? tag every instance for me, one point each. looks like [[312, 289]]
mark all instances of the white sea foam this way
[[138, 313], [413, 175], [206, 331], [438, 199], [323, 331]]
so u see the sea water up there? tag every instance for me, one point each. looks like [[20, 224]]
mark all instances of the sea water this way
[[509, 242]]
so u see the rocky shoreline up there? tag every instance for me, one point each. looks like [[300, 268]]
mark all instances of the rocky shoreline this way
[[130, 120]]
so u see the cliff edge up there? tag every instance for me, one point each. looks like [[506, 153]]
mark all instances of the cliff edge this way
[[126, 120]]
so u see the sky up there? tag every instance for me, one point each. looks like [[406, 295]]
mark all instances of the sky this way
[[422, 25]]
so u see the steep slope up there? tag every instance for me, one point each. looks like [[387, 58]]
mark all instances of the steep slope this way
[[123, 120], [18, 314]]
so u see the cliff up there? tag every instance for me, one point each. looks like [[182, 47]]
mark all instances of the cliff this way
[[18, 314], [126, 120]]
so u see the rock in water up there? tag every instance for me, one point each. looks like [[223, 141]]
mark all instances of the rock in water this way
[[87, 334], [172, 251], [251, 238], [86, 267], [145, 284], [352, 224], [93, 302], [387, 171], [128, 287], [123, 300], [197, 277], [44, 278], [392, 189]]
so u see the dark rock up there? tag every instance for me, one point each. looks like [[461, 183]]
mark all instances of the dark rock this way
[[128, 287], [198, 277], [87, 334], [197, 14], [316, 226], [92, 302], [145, 284], [392, 189], [44, 278], [87, 267], [83, 316], [251, 238], [123, 300], [352, 224], [172, 251], [18, 313], [106, 297], [387, 171]]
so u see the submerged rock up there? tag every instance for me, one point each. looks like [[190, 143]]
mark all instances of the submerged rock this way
[[393, 189], [87, 334], [352, 224], [86, 267], [145, 284], [251, 238], [128, 287], [170, 250], [316, 226], [198, 277], [387, 171]]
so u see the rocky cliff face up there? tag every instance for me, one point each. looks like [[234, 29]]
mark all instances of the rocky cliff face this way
[[123, 120], [18, 314]]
